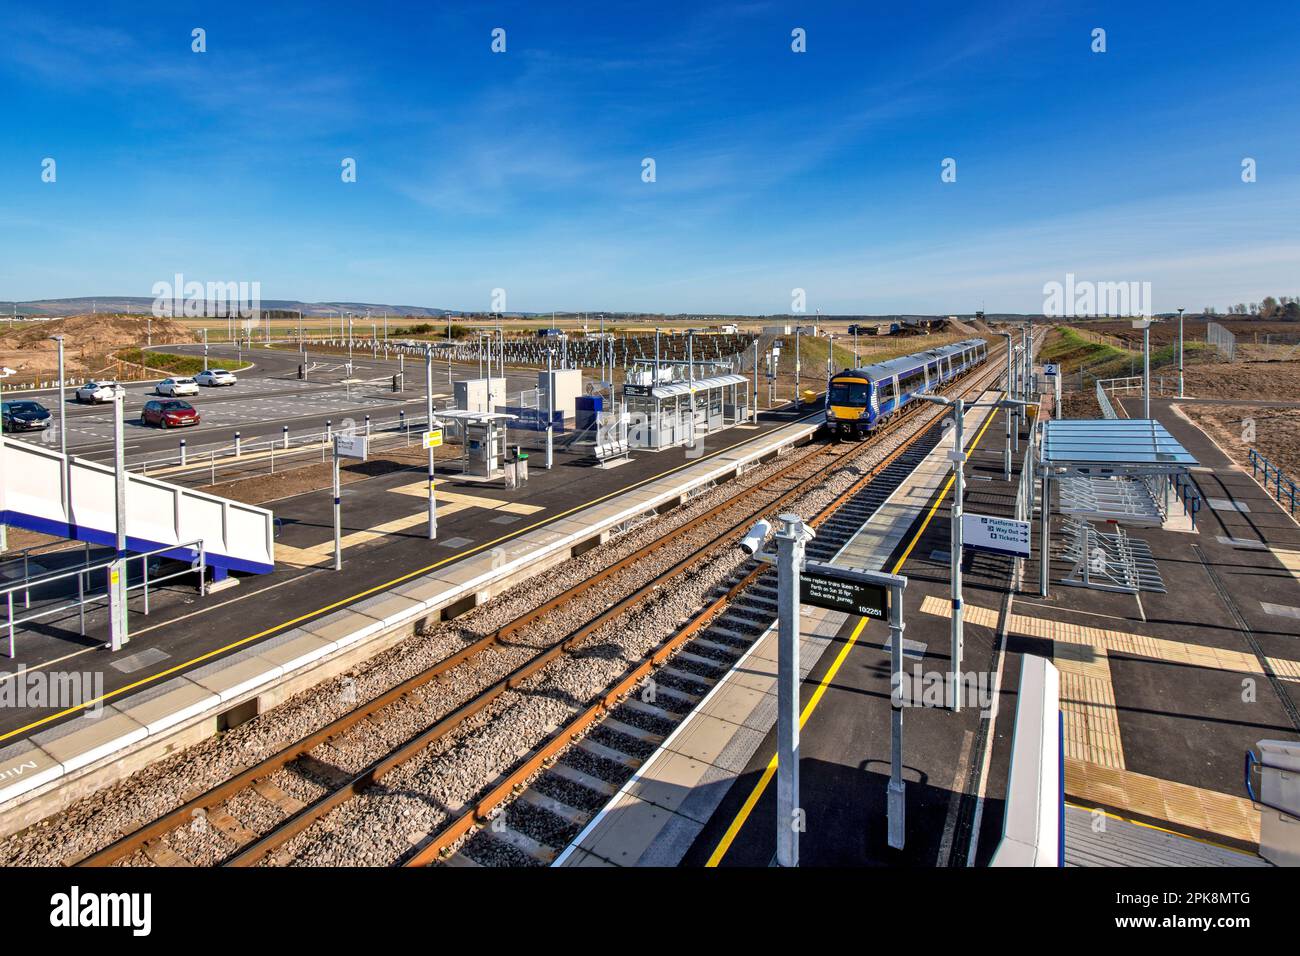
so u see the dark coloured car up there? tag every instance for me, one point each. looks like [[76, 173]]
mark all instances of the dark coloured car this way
[[169, 413], [24, 416]]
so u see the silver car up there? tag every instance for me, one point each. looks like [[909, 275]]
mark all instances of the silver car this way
[[178, 386], [97, 393], [212, 377]]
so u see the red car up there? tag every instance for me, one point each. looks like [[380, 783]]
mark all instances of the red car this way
[[169, 414]]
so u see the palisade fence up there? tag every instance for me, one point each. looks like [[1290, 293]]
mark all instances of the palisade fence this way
[[1222, 339], [589, 351]]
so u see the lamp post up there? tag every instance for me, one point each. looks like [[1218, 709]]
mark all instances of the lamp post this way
[[958, 458], [1145, 326], [117, 612], [1180, 353], [63, 432], [1006, 454]]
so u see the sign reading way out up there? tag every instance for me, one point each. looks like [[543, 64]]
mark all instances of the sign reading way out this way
[[851, 597], [995, 535]]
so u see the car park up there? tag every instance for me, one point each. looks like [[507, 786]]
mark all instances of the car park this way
[[177, 386], [98, 392], [24, 416], [169, 413], [213, 377]]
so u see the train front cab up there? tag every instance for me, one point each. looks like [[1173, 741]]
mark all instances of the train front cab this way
[[848, 408]]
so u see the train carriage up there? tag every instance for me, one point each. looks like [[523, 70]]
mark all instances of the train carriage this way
[[860, 400]]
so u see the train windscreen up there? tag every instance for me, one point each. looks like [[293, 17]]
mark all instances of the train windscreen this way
[[849, 393]]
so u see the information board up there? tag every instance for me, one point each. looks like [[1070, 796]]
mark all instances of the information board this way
[[837, 594]]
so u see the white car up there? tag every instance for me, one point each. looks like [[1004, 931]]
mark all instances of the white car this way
[[178, 386], [212, 377], [98, 392]]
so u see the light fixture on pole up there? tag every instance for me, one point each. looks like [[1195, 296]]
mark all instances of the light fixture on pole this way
[[1145, 326], [63, 432], [117, 592], [1180, 353]]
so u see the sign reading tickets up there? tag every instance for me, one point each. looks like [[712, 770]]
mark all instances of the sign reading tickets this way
[[995, 535], [350, 446], [837, 594], [433, 438]]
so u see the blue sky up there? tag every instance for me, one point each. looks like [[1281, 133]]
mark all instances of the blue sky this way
[[775, 170]]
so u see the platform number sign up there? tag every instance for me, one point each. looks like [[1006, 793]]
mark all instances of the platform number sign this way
[[850, 597], [1051, 369]]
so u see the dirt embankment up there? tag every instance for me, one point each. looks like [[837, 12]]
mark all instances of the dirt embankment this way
[[88, 340]]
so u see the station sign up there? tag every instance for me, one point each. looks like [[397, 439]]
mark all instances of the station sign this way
[[995, 535], [838, 594], [350, 446], [1051, 369], [433, 438]]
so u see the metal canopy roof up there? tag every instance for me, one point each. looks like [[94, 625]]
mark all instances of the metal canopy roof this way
[[701, 385], [1111, 447]]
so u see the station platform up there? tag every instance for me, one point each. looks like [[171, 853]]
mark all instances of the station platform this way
[[1161, 696], [708, 796], [194, 666], [1164, 693]]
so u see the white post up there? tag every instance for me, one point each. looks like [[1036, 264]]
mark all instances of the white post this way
[[1180, 353], [63, 438], [789, 556], [958, 457], [428, 411], [896, 793], [119, 630], [550, 404], [1006, 454], [753, 417]]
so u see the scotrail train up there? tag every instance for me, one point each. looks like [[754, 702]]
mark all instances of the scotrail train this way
[[862, 399]]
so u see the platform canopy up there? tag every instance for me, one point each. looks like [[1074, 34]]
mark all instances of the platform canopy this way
[[1105, 447]]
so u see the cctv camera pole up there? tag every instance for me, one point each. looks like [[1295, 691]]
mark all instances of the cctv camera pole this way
[[1180, 353], [428, 411], [117, 615], [789, 557], [753, 417], [205, 348]]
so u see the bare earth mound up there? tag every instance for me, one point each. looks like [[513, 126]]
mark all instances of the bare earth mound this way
[[87, 341]]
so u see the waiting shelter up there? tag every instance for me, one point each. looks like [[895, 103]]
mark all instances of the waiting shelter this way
[[677, 413], [1120, 471]]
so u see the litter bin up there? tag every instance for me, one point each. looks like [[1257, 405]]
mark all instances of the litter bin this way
[[302, 370], [398, 383], [521, 465]]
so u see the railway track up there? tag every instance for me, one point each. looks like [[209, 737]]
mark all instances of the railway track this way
[[745, 601], [530, 825]]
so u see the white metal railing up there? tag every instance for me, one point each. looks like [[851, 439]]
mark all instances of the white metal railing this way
[[238, 454], [199, 563]]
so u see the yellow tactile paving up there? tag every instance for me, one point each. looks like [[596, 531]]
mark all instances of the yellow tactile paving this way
[[1091, 723], [1179, 804], [420, 489], [449, 502], [1286, 670]]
